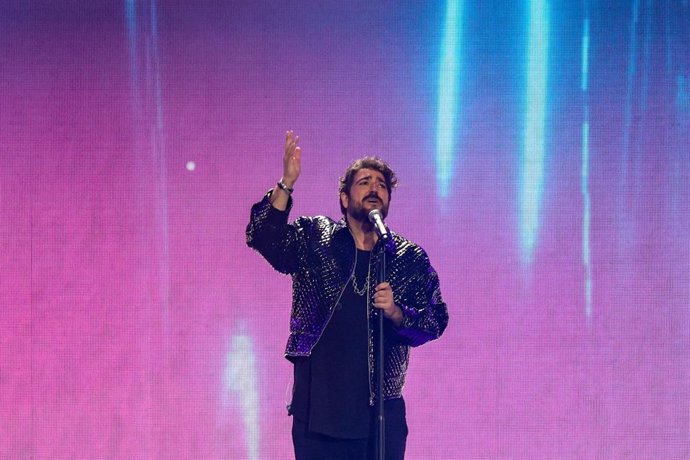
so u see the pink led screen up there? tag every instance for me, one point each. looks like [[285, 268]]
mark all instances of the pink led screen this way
[[543, 151]]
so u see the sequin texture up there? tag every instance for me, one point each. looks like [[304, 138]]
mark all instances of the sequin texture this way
[[319, 254]]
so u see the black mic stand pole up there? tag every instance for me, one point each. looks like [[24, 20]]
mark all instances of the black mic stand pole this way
[[381, 439]]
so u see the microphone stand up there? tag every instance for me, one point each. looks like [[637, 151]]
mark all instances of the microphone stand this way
[[381, 439]]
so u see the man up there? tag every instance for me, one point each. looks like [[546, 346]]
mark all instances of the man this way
[[336, 300]]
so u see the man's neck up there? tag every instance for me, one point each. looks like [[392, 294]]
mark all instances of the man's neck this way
[[363, 232]]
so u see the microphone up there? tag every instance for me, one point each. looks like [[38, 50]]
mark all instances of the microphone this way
[[376, 218]]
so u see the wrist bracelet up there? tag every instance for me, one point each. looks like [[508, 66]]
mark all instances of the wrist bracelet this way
[[285, 188]]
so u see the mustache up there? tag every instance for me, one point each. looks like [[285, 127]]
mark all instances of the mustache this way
[[373, 195]]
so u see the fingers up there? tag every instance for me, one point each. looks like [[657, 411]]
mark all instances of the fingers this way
[[385, 286], [291, 158], [383, 300], [383, 297], [291, 141], [289, 135]]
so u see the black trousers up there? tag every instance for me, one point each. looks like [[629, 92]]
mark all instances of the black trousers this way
[[314, 446]]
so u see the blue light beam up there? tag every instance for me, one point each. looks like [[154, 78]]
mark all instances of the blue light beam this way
[[586, 198], [448, 98], [533, 149]]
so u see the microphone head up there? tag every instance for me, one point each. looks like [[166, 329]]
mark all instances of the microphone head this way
[[376, 219], [374, 215]]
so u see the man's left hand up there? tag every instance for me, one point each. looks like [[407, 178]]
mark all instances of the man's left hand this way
[[383, 300]]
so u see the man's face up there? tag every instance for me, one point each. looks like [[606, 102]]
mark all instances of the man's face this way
[[368, 192]]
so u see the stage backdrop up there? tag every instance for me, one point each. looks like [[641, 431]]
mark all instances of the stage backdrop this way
[[543, 150]]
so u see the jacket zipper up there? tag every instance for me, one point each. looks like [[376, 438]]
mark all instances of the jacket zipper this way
[[342, 291]]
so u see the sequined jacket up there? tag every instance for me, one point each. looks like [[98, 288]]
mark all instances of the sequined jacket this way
[[319, 254]]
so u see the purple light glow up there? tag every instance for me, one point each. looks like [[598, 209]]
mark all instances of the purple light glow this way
[[135, 323]]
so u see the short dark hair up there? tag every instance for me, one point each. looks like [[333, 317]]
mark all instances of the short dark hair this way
[[374, 163]]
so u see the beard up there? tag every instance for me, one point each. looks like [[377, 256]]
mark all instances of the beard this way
[[360, 211]]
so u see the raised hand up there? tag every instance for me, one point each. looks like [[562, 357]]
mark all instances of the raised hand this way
[[292, 159]]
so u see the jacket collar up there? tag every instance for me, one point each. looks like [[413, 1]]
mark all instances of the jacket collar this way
[[342, 231]]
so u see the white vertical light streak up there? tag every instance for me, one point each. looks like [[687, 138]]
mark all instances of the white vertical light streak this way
[[241, 378]]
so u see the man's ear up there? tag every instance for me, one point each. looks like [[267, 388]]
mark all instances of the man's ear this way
[[344, 199]]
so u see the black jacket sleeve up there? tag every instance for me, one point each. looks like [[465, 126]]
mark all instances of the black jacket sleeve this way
[[425, 315], [269, 233]]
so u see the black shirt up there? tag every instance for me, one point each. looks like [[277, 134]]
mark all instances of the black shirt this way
[[331, 390]]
